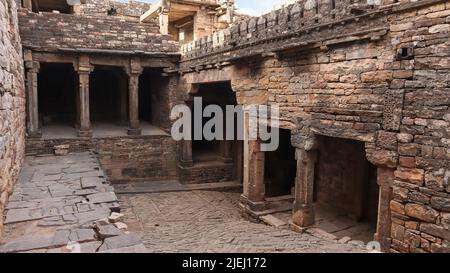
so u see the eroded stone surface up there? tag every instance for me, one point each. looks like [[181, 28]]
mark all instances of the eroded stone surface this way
[[51, 212], [208, 221]]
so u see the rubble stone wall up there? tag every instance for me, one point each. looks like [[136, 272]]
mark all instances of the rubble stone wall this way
[[12, 102], [140, 158], [381, 79], [131, 10], [123, 159], [51, 31], [421, 205]]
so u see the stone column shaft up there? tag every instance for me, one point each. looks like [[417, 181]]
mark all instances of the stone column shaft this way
[[303, 212], [385, 179], [84, 70], [85, 122], [133, 109], [32, 98]]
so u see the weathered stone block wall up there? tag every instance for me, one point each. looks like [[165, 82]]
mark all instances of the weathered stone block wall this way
[[124, 159], [344, 179], [165, 97], [151, 158], [389, 89], [131, 10], [206, 173], [421, 205], [12, 102], [50, 31]]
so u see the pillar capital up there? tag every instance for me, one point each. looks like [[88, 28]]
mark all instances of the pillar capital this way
[[32, 66], [84, 65], [135, 68]]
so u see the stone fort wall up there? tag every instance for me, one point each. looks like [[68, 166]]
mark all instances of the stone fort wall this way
[[12, 102], [376, 74]]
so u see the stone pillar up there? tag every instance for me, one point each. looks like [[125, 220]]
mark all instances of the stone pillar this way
[[385, 179], [134, 72], [84, 70], [32, 69], [253, 197], [186, 153], [164, 22], [256, 192], [303, 211], [27, 4], [186, 146]]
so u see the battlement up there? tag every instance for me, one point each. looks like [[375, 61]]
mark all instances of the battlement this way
[[305, 14]]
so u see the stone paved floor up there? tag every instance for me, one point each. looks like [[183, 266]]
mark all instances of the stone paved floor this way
[[62, 199], [209, 221]]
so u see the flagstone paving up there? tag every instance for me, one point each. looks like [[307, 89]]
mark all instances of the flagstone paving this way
[[210, 221], [62, 204], [66, 204]]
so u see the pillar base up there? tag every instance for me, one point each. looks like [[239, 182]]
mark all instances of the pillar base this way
[[303, 216], [297, 228], [385, 243], [85, 133], [186, 163], [134, 132], [250, 209]]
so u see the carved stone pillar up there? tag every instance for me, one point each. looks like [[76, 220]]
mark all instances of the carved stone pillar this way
[[84, 70], [32, 69], [164, 22], [385, 179], [186, 146], [134, 72], [27, 4], [303, 211], [253, 197]]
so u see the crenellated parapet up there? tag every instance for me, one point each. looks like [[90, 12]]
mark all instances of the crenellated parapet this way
[[295, 25]]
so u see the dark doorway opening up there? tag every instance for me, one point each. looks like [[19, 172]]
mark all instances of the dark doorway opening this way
[[57, 94], [345, 189], [220, 94], [108, 95], [280, 167]]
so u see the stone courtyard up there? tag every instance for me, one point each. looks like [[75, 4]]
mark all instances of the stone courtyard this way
[[62, 199], [358, 97], [212, 223]]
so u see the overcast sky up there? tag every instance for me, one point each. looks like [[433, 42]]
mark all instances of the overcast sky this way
[[251, 7]]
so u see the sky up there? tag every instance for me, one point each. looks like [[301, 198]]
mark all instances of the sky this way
[[251, 7]]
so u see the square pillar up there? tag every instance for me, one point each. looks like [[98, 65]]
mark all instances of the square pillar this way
[[303, 211], [164, 22], [253, 198], [27, 4], [84, 70], [134, 71], [186, 153], [32, 70], [385, 180]]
